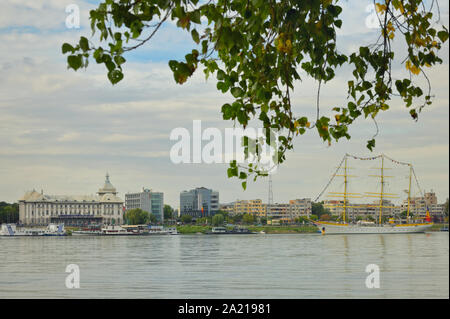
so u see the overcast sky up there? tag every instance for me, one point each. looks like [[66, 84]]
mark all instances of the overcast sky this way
[[61, 130]]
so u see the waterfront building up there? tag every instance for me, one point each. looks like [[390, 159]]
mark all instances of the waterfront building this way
[[147, 200], [279, 212], [418, 206], [227, 208], [41, 209], [364, 210], [286, 212], [199, 202], [300, 208], [253, 207]]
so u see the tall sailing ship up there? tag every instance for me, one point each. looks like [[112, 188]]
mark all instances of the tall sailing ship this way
[[345, 226]]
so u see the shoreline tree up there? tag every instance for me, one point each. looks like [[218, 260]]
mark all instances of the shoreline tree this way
[[168, 212], [137, 216], [257, 48], [186, 219]]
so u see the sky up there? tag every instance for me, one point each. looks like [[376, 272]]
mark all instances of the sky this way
[[61, 131]]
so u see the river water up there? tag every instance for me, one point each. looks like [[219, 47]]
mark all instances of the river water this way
[[214, 266]]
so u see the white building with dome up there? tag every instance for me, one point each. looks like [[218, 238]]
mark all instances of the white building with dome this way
[[41, 209]]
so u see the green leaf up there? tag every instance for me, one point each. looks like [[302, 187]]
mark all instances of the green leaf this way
[[371, 144], [119, 60], [237, 92], [66, 47], [74, 61], [115, 76], [195, 36], [84, 44], [443, 36], [220, 75]]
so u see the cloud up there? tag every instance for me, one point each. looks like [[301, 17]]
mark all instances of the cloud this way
[[114, 138], [58, 125], [71, 136]]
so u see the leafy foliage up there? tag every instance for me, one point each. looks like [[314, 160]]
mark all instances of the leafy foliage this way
[[218, 219], [257, 50], [9, 213], [318, 209], [248, 219], [137, 216], [185, 219], [168, 212]]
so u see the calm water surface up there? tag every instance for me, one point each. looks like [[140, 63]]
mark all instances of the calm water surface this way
[[244, 266]]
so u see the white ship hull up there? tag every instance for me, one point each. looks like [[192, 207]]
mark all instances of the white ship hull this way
[[86, 233], [332, 228]]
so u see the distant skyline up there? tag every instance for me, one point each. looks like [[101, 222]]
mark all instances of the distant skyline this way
[[61, 130]]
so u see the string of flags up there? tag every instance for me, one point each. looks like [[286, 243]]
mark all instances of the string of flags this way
[[364, 158], [368, 159], [397, 162]]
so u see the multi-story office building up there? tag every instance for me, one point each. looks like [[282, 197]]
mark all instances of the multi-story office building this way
[[214, 201], [199, 202], [300, 207], [286, 212], [418, 206], [40, 209], [254, 207], [147, 200], [228, 208], [278, 211]]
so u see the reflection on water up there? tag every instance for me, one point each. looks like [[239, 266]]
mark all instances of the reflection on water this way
[[245, 266]]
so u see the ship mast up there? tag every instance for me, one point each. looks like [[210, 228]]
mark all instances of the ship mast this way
[[409, 193], [382, 189], [382, 195], [345, 190], [345, 195]]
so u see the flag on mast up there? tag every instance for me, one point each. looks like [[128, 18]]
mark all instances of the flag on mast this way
[[427, 216]]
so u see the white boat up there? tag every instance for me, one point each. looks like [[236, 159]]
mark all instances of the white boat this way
[[337, 228], [7, 229], [10, 230], [218, 230], [55, 230], [90, 230], [115, 230], [86, 232], [158, 230], [172, 231]]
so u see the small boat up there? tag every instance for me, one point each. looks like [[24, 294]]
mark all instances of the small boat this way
[[55, 230], [172, 231], [157, 230], [115, 230], [90, 230], [86, 232], [218, 230], [224, 231]]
